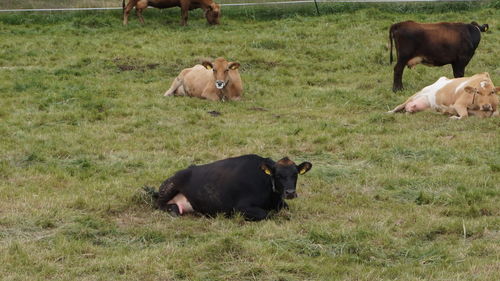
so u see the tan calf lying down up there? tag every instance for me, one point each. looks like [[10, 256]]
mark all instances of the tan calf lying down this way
[[457, 97], [217, 80]]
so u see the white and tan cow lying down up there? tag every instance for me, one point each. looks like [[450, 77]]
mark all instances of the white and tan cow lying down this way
[[217, 80], [459, 97]]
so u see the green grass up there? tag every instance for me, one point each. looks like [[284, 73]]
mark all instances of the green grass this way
[[84, 124]]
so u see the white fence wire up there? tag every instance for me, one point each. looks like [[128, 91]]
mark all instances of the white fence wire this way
[[74, 5]]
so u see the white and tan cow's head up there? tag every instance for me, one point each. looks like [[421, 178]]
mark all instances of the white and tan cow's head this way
[[220, 68], [484, 96]]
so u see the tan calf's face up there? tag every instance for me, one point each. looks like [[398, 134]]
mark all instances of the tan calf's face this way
[[213, 14], [485, 96], [220, 68]]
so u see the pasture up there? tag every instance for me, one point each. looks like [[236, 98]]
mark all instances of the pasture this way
[[84, 125]]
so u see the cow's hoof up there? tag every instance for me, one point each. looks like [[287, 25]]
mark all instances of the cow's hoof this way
[[455, 117], [395, 90]]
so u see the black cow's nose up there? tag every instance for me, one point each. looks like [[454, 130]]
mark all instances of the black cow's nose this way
[[290, 193]]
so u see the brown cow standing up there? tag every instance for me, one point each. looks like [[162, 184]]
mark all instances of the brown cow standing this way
[[217, 80], [433, 44], [211, 10]]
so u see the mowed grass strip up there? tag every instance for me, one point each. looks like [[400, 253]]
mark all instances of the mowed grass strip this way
[[84, 124]]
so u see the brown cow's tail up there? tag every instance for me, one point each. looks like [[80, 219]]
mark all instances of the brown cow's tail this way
[[123, 5], [391, 37], [483, 27]]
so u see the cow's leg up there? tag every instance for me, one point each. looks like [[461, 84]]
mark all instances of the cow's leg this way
[[398, 75], [175, 85], [458, 69], [461, 111], [167, 191], [209, 95], [398, 108], [141, 6], [126, 11], [252, 213], [184, 12]]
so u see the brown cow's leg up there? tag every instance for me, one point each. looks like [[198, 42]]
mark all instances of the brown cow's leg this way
[[398, 76], [184, 12], [126, 11], [458, 69], [141, 6]]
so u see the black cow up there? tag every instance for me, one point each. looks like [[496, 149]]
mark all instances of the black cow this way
[[249, 184], [433, 44]]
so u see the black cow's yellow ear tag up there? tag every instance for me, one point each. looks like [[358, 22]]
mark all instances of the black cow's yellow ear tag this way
[[302, 171], [267, 171]]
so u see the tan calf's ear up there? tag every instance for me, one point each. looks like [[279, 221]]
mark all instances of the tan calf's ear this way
[[208, 65], [234, 65], [470, 90], [304, 167]]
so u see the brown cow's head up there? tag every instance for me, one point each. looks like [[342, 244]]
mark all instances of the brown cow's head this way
[[484, 97], [212, 13], [221, 68], [284, 175]]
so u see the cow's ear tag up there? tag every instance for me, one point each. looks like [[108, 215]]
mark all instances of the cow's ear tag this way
[[302, 171], [209, 67], [267, 171]]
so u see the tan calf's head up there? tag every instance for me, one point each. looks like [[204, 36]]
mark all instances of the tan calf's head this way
[[221, 67], [212, 13], [484, 97]]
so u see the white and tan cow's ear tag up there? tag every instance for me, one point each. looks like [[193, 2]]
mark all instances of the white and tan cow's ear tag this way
[[209, 67]]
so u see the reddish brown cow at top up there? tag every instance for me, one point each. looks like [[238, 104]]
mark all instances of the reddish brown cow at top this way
[[211, 10], [433, 44]]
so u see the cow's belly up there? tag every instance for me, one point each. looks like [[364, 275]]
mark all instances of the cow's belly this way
[[163, 4]]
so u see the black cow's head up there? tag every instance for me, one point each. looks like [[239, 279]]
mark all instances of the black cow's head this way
[[284, 175]]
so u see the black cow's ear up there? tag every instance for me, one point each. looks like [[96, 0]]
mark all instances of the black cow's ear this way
[[304, 167], [267, 167], [208, 65], [234, 65]]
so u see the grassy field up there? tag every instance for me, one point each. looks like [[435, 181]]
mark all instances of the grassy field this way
[[84, 124]]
